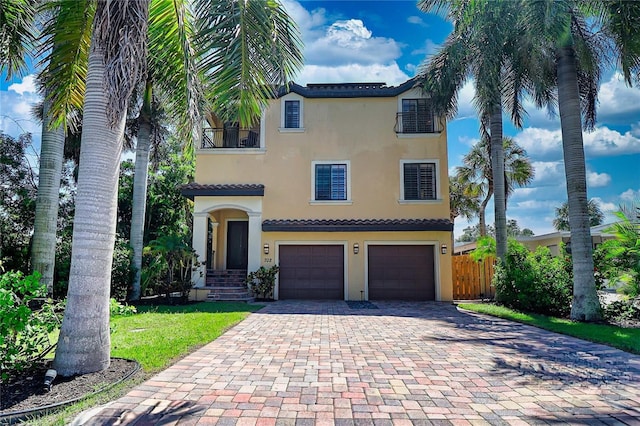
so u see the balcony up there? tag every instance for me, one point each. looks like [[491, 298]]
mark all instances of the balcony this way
[[414, 122], [230, 137]]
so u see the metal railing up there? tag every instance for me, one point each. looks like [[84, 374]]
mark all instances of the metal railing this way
[[229, 137], [414, 122]]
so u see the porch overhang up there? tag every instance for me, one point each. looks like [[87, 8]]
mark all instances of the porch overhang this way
[[192, 190], [356, 225]]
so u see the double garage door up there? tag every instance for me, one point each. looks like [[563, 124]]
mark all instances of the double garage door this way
[[395, 272]]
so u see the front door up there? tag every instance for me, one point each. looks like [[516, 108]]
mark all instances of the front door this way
[[237, 244]]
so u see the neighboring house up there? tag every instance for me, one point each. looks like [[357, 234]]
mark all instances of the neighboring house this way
[[344, 186], [551, 240]]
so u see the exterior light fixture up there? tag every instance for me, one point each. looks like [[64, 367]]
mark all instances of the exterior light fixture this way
[[443, 249], [356, 248], [266, 248]]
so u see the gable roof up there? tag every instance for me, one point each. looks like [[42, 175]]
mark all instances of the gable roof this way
[[347, 90]]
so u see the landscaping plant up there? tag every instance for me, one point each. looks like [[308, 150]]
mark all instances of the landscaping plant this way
[[24, 328], [533, 282], [263, 281]]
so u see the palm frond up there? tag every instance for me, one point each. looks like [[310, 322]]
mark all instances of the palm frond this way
[[18, 35], [171, 63], [120, 31], [65, 51], [246, 49]]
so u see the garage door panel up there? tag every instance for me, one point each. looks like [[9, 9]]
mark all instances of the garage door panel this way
[[311, 272], [401, 272]]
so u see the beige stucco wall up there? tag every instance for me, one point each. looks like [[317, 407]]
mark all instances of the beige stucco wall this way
[[355, 264], [358, 130]]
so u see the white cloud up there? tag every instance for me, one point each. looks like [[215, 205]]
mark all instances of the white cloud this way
[[465, 101], [603, 141], [597, 180], [548, 173], [428, 49], [523, 192], [605, 206], [618, 102], [630, 195], [351, 42], [417, 21], [28, 85], [353, 73], [537, 204]]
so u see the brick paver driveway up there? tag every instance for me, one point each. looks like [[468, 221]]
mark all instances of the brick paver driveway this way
[[404, 363]]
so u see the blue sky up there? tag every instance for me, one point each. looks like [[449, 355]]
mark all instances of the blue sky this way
[[386, 41]]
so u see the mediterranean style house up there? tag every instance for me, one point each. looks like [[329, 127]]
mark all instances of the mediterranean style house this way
[[343, 186]]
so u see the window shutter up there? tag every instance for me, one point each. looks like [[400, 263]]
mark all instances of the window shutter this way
[[292, 114], [420, 181], [331, 182]]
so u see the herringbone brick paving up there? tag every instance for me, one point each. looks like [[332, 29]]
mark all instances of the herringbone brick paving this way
[[304, 363]]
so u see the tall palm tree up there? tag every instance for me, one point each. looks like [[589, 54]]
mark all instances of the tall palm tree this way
[[576, 38], [486, 45], [477, 170], [69, 30], [259, 40]]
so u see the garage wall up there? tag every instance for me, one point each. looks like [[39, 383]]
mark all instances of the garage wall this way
[[355, 272]]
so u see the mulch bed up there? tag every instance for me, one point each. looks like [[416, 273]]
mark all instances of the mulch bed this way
[[25, 391]]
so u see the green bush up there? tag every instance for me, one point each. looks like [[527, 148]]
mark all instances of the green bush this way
[[24, 330], [263, 281], [627, 309], [534, 282], [171, 263], [117, 308], [122, 271]]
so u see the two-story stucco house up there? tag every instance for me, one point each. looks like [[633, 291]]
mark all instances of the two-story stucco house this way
[[344, 186]]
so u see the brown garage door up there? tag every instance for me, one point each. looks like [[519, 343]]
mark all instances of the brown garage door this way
[[401, 273], [311, 272]]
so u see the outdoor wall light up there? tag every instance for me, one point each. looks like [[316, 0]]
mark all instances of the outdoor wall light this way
[[266, 249], [443, 249], [356, 248]]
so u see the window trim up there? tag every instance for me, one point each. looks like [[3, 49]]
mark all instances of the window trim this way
[[438, 198], [313, 200], [283, 100], [437, 126]]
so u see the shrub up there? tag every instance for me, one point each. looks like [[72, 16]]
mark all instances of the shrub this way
[[24, 332], [122, 271], [533, 282], [117, 308], [627, 309], [263, 281], [172, 261]]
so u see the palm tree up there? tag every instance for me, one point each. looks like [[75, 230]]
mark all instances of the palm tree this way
[[485, 44], [477, 170], [259, 41], [463, 198], [561, 221], [575, 49]]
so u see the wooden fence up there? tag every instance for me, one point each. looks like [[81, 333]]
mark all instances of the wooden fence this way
[[472, 280]]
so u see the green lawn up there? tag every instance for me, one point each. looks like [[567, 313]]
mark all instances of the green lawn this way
[[157, 337], [627, 339]]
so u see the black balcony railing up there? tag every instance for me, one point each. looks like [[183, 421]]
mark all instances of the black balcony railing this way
[[414, 122], [230, 137]]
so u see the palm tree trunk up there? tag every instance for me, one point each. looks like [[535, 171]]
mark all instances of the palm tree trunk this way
[[43, 252], [499, 189], [139, 202], [585, 305], [482, 212], [84, 342]]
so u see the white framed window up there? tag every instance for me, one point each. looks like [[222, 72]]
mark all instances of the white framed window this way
[[292, 113], [419, 180], [331, 182]]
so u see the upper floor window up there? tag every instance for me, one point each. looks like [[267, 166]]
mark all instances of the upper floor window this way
[[416, 116], [292, 114], [419, 181], [331, 181]]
